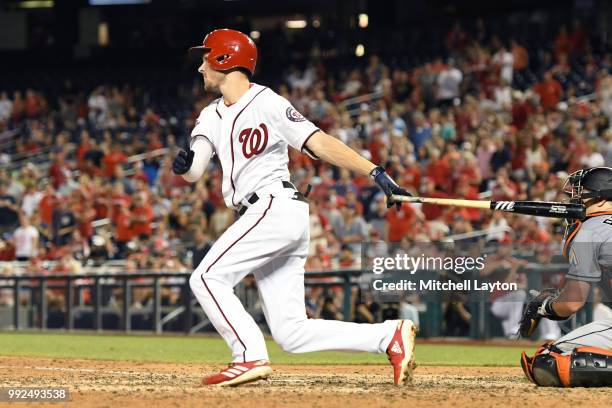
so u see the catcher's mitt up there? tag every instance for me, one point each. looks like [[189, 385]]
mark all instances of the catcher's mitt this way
[[536, 309]]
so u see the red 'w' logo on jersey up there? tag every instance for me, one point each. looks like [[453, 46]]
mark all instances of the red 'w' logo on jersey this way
[[253, 141]]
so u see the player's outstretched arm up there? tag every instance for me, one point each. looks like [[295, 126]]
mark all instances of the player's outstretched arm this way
[[192, 164], [333, 151]]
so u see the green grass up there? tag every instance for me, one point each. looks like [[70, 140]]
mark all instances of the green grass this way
[[212, 350]]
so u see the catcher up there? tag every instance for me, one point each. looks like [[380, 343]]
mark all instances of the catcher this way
[[583, 357]]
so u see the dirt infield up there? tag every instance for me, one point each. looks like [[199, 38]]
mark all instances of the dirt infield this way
[[124, 384]]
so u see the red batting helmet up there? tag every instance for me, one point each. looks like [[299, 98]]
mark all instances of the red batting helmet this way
[[228, 49]]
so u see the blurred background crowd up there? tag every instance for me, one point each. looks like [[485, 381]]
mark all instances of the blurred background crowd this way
[[85, 165]]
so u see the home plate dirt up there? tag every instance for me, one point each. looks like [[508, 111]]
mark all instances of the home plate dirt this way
[[127, 384]]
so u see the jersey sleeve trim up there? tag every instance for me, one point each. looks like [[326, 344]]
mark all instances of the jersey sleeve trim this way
[[582, 278], [305, 149]]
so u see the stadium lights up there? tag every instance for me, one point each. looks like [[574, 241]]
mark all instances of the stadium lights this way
[[359, 50], [255, 35], [296, 23], [316, 23], [363, 20], [103, 37], [31, 4]]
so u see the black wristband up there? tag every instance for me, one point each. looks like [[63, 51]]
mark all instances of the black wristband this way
[[376, 171], [548, 308], [550, 312]]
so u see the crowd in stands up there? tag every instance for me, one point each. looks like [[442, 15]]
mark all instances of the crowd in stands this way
[[492, 118]]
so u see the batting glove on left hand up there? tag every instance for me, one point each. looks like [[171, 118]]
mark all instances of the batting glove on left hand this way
[[388, 186], [182, 162]]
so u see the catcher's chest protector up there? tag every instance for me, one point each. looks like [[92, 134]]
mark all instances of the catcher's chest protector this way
[[584, 367]]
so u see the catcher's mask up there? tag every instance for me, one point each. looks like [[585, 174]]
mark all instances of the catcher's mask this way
[[587, 186]]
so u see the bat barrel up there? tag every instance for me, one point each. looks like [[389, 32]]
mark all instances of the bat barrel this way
[[541, 209]]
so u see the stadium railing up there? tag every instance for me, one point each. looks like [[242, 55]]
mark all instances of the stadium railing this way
[[28, 308]]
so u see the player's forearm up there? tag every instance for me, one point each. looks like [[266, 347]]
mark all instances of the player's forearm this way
[[333, 151], [572, 298], [566, 309]]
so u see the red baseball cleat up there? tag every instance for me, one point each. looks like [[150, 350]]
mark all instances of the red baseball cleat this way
[[401, 352], [240, 373]]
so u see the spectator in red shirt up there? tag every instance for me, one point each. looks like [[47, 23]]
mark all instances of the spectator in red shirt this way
[[47, 204], [118, 199], [142, 216], [84, 213], [503, 189], [412, 174], [400, 223], [431, 211], [439, 170], [123, 229], [550, 91], [82, 150], [112, 159], [522, 109], [32, 104], [562, 42], [59, 172]]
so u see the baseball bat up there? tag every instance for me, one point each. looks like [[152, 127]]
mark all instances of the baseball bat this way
[[537, 208]]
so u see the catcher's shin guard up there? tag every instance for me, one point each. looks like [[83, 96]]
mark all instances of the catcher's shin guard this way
[[584, 367]]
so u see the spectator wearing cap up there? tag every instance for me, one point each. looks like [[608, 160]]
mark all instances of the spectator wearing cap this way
[[351, 229]]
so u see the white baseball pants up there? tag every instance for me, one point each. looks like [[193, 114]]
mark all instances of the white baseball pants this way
[[271, 241]]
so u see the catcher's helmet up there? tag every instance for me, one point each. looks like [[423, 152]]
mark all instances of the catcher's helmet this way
[[596, 180], [228, 49]]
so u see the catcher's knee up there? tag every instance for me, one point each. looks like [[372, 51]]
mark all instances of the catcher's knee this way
[[583, 367]]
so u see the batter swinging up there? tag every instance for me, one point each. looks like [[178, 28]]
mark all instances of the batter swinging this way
[[250, 128]]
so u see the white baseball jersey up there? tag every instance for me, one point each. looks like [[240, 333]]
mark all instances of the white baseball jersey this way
[[250, 137]]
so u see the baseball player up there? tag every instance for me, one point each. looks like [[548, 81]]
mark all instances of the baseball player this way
[[250, 128], [583, 357]]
